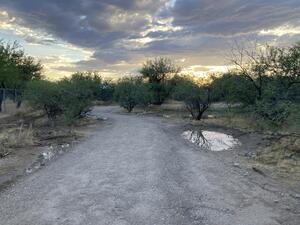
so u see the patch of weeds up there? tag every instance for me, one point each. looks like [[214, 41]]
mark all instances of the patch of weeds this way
[[283, 154], [15, 138]]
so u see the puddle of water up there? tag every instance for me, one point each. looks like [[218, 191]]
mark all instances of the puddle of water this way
[[210, 140]]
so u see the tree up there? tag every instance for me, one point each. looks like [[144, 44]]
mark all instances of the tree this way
[[143, 94], [77, 94], [125, 93], [197, 98], [107, 91], [234, 88], [284, 64], [42, 94], [249, 62], [16, 69], [157, 71]]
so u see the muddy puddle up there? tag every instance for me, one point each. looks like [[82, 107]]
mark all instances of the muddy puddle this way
[[211, 140]]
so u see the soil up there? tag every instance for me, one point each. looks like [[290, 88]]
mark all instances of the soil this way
[[137, 169]]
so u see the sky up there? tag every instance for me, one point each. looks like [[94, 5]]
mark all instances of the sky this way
[[115, 37]]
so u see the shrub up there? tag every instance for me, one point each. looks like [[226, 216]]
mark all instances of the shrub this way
[[130, 92], [44, 95], [143, 94], [234, 88], [71, 97], [275, 111], [157, 72], [125, 93], [197, 98], [107, 91], [77, 94]]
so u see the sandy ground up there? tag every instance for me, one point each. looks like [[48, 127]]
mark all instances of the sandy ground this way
[[139, 170]]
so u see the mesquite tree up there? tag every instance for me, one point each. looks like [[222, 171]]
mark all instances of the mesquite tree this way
[[197, 98], [157, 71]]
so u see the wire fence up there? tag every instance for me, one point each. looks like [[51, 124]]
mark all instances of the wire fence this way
[[9, 95]]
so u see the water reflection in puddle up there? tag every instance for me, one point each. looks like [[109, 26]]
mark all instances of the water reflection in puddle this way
[[210, 140]]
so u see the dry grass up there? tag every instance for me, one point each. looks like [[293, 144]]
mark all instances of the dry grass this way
[[15, 138], [10, 109], [282, 158]]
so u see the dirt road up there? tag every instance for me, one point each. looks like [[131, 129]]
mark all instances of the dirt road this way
[[139, 171]]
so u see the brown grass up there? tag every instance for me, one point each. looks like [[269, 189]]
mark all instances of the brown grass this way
[[9, 109], [15, 138]]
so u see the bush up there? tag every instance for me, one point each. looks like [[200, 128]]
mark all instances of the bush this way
[[130, 92], [234, 88], [157, 72], [197, 98], [143, 94], [44, 95], [71, 97], [125, 93], [275, 111], [77, 94], [107, 91]]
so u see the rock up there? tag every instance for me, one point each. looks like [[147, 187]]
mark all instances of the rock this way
[[297, 195], [236, 164]]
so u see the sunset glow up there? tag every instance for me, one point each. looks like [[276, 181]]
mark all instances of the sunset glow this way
[[116, 37]]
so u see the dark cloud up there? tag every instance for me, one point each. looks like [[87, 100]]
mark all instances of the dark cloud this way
[[230, 17], [87, 23], [109, 27]]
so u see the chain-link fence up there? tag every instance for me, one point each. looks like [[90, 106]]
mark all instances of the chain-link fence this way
[[9, 97]]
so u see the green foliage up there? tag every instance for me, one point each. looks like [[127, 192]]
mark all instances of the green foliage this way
[[71, 97], [157, 72], [274, 111], [130, 92], [284, 63], [107, 91], [197, 98], [42, 94], [125, 93], [143, 94], [234, 88], [16, 68], [77, 94]]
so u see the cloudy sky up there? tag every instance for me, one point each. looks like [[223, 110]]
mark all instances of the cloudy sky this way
[[116, 36]]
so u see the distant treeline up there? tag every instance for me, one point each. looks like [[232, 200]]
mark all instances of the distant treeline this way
[[265, 79]]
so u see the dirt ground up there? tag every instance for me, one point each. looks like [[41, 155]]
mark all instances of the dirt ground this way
[[137, 169], [275, 153], [28, 142]]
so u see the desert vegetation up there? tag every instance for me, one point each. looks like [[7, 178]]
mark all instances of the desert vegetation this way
[[261, 92]]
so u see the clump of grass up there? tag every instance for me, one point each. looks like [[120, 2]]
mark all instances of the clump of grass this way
[[15, 138], [283, 153]]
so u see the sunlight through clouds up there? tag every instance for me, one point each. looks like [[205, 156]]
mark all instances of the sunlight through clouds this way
[[115, 37]]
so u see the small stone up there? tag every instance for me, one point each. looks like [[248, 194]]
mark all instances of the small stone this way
[[236, 164], [297, 196]]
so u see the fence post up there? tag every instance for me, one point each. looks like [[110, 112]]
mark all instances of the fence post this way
[[3, 101]]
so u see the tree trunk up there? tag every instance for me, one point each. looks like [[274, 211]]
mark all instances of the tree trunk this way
[[19, 103], [1, 99]]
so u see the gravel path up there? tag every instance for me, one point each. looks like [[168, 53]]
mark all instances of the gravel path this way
[[137, 170]]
